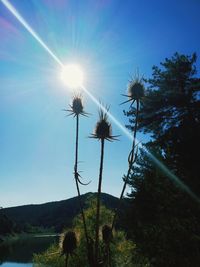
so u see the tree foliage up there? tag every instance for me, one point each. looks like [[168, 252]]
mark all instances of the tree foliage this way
[[7, 226], [165, 220]]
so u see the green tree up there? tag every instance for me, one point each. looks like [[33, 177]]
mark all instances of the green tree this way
[[170, 113], [165, 220], [6, 224]]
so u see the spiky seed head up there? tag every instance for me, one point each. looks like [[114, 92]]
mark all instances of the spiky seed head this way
[[103, 129], [107, 234], [77, 105], [69, 243], [135, 89]]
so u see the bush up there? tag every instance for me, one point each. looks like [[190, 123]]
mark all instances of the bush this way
[[122, 251]]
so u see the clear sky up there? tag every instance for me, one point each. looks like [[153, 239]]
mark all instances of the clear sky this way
[[110, 39]]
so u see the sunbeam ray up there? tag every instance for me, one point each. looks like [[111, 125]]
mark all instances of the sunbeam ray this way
[[17, 15], [171, 175], [159, 164], [116, 122]]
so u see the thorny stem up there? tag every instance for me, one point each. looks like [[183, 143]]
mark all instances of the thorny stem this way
[[66, 260], [98, 204], [109, 259], [76, 180], [130, 165]]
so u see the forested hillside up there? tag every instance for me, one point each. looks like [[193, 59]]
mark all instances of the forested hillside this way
[[54, 215]]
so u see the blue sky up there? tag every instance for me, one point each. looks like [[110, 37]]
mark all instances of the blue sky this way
[[110, 39]]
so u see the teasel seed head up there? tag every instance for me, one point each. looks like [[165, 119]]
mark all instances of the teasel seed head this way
[[76, 107], [69, 243], [135, 90], [103, 128], [107, 234]]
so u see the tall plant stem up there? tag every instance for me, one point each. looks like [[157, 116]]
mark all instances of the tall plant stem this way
[[77, 184], [66, 260], [131, 161], [98, 204]]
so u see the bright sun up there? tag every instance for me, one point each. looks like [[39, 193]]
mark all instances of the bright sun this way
[[72, 76]]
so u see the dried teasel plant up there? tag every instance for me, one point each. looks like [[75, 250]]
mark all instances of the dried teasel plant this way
[[135, 94], [107, 236], [102, 132], [76, 107], [69, 245], [103, 128], [76, 110], [135, 90]]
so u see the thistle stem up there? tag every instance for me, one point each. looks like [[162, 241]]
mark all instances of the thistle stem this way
[[130, 165], [98, 203], [77, 184], [66, 260]]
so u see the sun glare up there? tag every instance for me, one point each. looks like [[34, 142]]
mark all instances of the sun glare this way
[[72, 76]]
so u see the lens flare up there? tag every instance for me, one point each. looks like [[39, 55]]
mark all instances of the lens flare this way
[[17, 15]]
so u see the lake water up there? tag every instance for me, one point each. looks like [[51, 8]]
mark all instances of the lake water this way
[[11, 264], [19, 253]]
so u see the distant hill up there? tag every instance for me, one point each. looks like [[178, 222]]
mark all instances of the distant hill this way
[[6, 225], [54, 214]]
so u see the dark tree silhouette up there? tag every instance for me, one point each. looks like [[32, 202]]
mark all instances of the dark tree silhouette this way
[[164, 219], [170, 112]]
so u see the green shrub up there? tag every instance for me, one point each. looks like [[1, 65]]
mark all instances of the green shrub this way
[[122, 251]]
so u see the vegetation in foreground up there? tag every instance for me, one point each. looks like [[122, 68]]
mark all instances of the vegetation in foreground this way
[[122, 251]]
